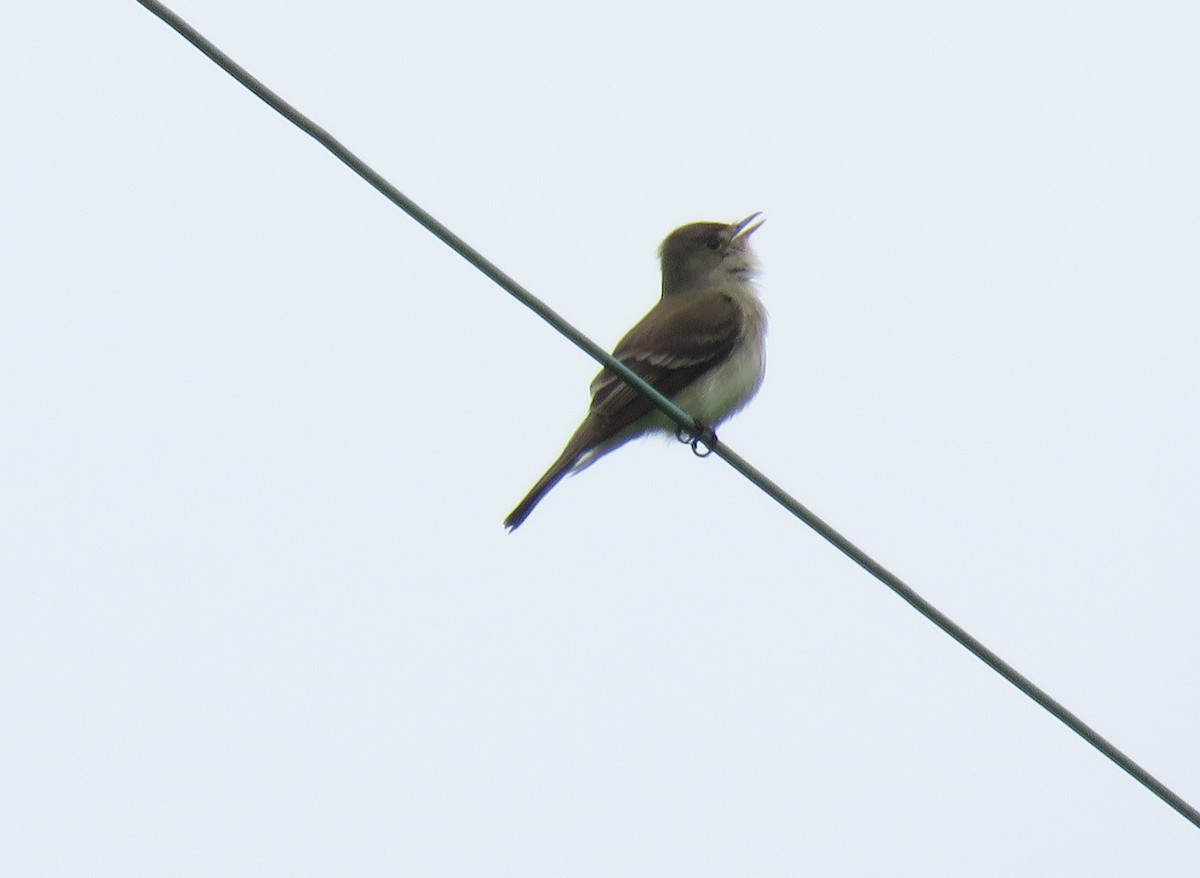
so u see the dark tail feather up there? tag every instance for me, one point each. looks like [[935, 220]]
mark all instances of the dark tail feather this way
[[553, 476]]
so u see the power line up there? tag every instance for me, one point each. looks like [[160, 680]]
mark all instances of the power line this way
[[685, 421]]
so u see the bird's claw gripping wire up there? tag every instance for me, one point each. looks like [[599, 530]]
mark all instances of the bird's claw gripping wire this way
[[703, 440]]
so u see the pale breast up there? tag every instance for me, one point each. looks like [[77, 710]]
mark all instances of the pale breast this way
[[727, 388]]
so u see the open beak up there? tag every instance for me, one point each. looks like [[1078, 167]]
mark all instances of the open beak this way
[[747, 227]]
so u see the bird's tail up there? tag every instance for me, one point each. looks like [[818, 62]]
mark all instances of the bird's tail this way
[[560, 468]]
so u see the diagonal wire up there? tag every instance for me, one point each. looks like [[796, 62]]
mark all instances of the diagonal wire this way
[[686, 421]]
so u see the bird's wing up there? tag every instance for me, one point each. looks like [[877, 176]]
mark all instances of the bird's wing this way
[[670, 350]]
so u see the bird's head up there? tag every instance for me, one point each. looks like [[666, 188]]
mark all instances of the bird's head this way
[[699, 256]]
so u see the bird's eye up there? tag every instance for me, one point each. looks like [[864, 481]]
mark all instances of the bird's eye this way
[[713, 243]]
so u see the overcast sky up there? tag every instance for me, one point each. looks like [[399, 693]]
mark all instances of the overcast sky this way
[[259, 616]]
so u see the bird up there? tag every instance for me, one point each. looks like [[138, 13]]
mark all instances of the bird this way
[[702, 346]]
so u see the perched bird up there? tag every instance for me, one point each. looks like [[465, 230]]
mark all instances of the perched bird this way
[[701, 346]]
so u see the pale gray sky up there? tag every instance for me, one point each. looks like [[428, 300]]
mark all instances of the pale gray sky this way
[[260, 430]]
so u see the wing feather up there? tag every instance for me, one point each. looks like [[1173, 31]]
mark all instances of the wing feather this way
[[671, 347]]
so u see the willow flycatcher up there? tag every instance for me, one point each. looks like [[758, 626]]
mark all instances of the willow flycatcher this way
[[701, 346]]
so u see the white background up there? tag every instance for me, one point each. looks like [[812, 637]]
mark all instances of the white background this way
[[258, 431]]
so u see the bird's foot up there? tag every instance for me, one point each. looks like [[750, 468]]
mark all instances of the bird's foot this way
[[703, 439]]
